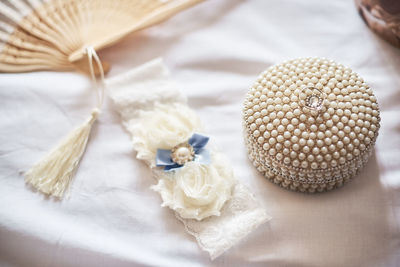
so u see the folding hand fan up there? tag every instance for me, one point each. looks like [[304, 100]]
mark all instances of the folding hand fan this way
[[57, 35], [53, 34]]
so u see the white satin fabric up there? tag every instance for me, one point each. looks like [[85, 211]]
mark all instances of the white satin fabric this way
[[214, 52]]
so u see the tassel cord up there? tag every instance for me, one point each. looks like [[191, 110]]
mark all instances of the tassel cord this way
[[99, 84], [54, 172]]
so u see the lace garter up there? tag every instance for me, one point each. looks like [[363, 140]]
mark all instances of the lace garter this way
[[193, 179]]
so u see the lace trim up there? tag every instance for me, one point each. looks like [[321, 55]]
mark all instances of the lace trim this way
[[142, 88], [239, 217]]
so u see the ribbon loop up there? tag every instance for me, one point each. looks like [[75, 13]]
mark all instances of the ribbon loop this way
[[198, 141]]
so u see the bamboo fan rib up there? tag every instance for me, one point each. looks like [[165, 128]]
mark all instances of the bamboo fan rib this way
[[53, 34]]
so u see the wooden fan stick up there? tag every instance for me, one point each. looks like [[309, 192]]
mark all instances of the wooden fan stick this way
[[154, 18]]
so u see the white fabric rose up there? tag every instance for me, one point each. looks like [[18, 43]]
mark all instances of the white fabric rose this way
[[197, 191], [164, 127]]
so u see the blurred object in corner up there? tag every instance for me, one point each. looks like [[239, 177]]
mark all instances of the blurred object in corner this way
[[383, 17]]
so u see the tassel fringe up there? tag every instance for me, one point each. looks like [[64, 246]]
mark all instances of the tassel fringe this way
[[53, 174]]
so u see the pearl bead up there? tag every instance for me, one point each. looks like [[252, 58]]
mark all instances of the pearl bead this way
[[313, 128], [314, 165], [183, 152], [266, 146], [310, 143], [302, 141], [287, 143]]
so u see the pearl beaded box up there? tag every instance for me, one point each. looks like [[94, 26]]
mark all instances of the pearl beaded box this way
[[310, 124]]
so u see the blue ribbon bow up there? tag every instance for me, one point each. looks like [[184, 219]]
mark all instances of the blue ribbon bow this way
[[201, 155]]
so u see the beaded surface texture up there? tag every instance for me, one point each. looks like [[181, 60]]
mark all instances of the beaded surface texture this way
[[310, 124]]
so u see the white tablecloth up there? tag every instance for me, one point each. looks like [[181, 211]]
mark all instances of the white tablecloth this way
[[214, 51]]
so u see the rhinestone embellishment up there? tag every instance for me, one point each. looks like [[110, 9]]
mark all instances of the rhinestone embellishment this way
[[182, 153], [312, 98]]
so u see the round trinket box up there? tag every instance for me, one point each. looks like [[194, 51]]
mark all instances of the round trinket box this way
[[310, 124]]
